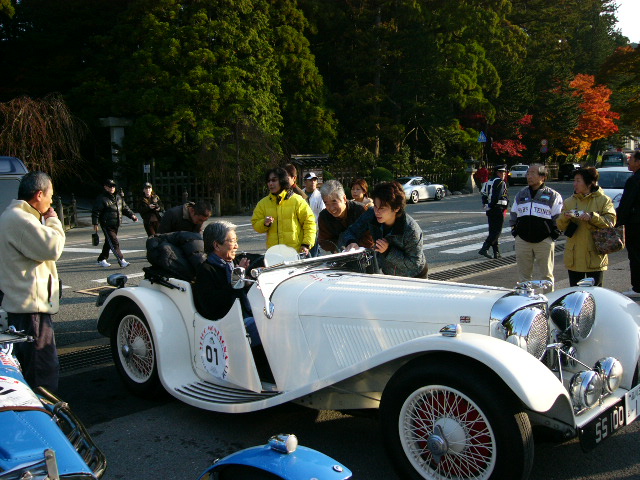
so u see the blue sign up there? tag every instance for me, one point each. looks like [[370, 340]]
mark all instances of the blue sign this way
[[482, 138]]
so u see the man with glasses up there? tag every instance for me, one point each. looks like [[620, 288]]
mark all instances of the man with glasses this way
[[533, 224], [107, 212]]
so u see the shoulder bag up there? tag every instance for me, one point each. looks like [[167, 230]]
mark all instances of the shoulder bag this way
[[609, 240]]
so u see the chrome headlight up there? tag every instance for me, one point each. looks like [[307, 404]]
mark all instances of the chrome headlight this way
[[574, 314], [611, 371], [528, 329], [585, 389]]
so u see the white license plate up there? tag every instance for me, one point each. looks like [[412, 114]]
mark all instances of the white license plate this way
[[632, 404]]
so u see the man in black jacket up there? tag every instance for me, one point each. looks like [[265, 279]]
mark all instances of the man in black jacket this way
[[495, 199], [628, 213], [107, 212], [186, 218]]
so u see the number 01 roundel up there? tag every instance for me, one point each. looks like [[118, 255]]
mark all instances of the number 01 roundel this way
[[213, 352]]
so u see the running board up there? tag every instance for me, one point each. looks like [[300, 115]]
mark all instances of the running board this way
[[211, 393]]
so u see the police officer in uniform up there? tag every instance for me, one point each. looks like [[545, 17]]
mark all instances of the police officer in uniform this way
[[495, 199]]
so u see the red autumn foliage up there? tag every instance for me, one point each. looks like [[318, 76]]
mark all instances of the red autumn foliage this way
[[512, 147]]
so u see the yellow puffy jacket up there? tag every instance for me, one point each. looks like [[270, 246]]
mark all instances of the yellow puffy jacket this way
[[293, 221], [580, 254]]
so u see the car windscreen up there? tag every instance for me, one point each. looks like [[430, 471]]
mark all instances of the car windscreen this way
[[403, 180], [613, 179], [614, 160], [519, 168]]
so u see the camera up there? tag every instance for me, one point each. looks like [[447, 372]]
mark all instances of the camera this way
[[576, 213]]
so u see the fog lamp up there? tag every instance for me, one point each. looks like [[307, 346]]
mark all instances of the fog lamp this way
[[585, 389], [284, 443], [611, 371]]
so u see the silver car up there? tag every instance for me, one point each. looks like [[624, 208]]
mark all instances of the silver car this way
[[612, 180], [418, 188]]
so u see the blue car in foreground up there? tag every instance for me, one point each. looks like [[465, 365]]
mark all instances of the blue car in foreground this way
[[41, 438]]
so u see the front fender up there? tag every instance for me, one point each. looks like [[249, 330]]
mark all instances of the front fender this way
[[169, 330], [529, 379]]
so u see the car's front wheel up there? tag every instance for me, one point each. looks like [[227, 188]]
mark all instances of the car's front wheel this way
[[414, 197], [134, 352], [439, 194], [446, 424]]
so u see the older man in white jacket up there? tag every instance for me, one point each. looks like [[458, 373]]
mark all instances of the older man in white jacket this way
[[31, 240]]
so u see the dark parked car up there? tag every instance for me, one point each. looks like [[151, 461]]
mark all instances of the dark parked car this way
[[567, 171], [11, 171]]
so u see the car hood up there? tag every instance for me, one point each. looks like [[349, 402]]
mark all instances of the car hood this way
[[332, 294]]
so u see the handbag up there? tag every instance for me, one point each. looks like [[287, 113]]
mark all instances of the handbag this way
[[609, 240], [95, 239]]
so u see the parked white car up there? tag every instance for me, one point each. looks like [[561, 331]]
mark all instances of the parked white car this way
[[612, 180], [418, 188], [518, 174], [459, 372]]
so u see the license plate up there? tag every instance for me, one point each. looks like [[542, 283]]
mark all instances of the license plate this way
[[632, 404], [603, 426]]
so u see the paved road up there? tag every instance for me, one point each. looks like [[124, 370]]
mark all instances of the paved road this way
[[163, 438]]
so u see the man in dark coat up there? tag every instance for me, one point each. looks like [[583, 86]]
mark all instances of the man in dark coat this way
[[495, 199], [628, 213], [213, 293], [107, 212], [186, 218]]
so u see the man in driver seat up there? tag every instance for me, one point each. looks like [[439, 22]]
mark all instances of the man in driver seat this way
[[212, 291]]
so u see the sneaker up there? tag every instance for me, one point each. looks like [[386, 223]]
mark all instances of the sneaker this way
[[124, 264], [631, 294], [103, 263], [484, 253]]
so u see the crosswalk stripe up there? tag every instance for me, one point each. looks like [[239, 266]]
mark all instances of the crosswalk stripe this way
[[454, 232], [459, 239], [132, 275], [475, 246], [93, 250]]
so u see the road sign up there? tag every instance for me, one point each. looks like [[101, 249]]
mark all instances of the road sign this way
[[482, 138]]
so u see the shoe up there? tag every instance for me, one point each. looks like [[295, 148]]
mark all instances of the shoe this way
[[497, 255], [631, 294], [124, 264], [484, 253], [103, 263]]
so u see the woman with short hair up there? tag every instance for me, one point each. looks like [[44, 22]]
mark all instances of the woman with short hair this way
[[588, 209], [285, 217], [397, 237]]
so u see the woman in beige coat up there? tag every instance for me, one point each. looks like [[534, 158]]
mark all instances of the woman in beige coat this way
[[585, 211]]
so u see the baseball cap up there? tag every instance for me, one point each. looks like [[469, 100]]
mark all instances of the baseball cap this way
[[147, 184], [109, 183], [310, 176]]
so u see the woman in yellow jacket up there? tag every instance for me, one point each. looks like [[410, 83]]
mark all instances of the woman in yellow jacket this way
[[285, 216], [585, 211]]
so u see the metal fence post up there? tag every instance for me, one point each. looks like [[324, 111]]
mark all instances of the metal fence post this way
[[73, 221], [60, 210]]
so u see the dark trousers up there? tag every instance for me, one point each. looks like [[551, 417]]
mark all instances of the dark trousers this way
[[575, 277], [151, 227], [39, 359], [111, 243], [495, 218], [632, 243]]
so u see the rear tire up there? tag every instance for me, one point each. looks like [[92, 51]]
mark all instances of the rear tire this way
[[134, 352], [414, 197], [448, 423], [439, 194]]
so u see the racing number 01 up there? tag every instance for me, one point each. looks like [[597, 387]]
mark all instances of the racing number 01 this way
[[210, 352]]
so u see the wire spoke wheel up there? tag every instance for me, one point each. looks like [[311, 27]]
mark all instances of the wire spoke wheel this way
[[445, 433], [134, 353], [136, 348]]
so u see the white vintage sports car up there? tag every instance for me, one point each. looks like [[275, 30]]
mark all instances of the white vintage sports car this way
[[459, 372]]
